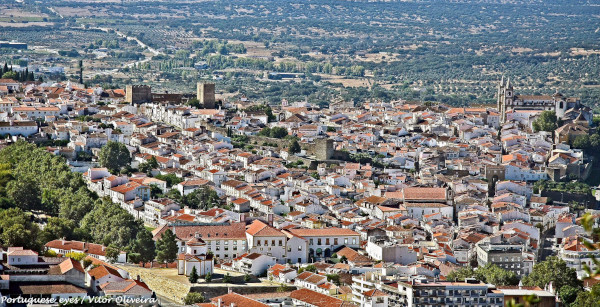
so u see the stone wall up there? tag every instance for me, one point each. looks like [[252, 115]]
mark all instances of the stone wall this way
[[210, 292], [163, 286]]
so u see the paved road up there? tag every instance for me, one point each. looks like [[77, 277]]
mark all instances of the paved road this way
[[547, 243]]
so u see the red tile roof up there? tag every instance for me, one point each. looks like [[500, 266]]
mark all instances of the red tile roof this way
[[234, 231], [234, 299], [316, 299], [325, 232], [260, 229]]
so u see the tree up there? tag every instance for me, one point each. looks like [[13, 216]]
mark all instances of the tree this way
[[308, 268], [208, 277], [202, 198], [554, 270], [227, 278], [144, 245], [568, 294], [114, 156], [148, 165], [155, 191], [193, 276], [247, 277], [108, 223], [74, 206], [171, 179], [587, 298], [86, 263], [335, 278], [489, 273], [595, 141], [134, 258], [546, 122], [194, 103], [294, 147], [75, 256], [112, 253], [10, 75], [58, 228], [166, 247], [343, 259], [16, 229], [25, 193], [582, 142], [283, 288], [278, 132], [193, 298]]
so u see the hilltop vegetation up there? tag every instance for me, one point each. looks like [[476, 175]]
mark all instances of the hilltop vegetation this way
[[37, 182], [448, 51]]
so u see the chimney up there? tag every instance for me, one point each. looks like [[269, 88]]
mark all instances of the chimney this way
[[138, 278]]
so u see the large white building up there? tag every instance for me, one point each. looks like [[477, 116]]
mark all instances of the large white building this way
[[225, 241], [284, 246], [323, 242]]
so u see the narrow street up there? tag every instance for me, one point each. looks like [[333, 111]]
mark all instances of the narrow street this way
[[547, 241]]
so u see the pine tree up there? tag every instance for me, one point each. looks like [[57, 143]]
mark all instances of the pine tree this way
[[294, 147], [144, 245], [194, 276], [166, 247]]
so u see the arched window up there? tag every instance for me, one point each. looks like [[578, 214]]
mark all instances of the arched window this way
[[561, 105]]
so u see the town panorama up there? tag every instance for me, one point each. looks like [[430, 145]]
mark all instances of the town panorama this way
[[318, 153]]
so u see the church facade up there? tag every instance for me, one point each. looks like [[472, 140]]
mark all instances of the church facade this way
[[509, 101]]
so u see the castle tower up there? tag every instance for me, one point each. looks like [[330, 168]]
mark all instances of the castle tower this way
[[206, 94], [138, 94]]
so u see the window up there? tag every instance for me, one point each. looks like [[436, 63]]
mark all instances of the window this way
[[218, 248], [327, 241], [311, 241], [299, 247], [354, 241], [273, 243], [345, 240], [335, 241], [319, 241], [280, 242]]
